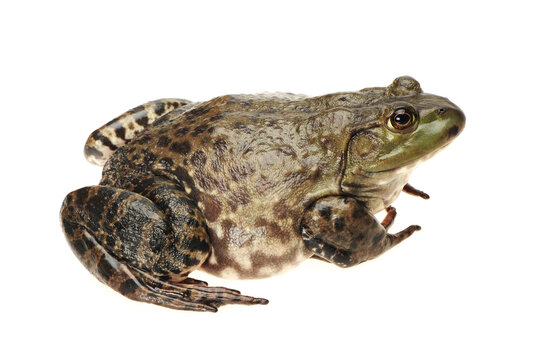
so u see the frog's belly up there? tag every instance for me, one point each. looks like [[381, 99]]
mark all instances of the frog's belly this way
[[251, 252]]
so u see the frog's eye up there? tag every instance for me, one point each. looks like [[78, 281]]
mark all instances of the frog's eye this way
[[402, 120]]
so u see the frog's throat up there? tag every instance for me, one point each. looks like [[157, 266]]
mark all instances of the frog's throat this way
[[378, 190]]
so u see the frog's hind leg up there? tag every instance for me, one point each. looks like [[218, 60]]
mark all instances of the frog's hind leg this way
[[117, 132], [144, 248]]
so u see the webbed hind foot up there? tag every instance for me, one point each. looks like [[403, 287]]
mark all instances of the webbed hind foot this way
[[197, 295], [189, 294]]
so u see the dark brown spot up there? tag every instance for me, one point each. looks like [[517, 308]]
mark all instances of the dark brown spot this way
[[199, 130], [182, 148], [121, 132], [199, 159], [226, 227], [220, 147], [212, 207], [280, 209], [197, 244], [339, 224], [159, 108], [198, 111], [143, 139], [105, 269], [181, 132], [273, 229], [163, 141], [97, 135], [128, 287], [325, 212], [142, 119], [69, 227], [78, 245]]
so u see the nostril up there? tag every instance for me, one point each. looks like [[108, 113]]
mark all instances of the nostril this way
[[441, 110]]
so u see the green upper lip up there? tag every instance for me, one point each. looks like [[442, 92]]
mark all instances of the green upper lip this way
[[407, 163]]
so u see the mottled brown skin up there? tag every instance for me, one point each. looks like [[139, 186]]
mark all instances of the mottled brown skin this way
[[242, 186]]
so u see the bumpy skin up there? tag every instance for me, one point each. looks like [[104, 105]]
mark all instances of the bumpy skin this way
[[247, 186]]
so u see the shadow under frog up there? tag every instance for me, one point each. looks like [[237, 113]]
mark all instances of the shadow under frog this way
[[249, 186]]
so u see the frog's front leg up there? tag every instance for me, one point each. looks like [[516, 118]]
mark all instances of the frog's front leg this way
[[341, 230], [408, 189], [143, 243]]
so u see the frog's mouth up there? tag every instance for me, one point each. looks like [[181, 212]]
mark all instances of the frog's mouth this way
[[409, 165]]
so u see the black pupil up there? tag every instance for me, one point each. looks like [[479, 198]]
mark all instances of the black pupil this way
[[402, 119]]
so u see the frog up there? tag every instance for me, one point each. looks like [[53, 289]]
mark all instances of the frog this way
[[250, 186]]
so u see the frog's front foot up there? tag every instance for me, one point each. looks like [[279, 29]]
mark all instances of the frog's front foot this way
[[408, 189], [342, 231], [388, 221]]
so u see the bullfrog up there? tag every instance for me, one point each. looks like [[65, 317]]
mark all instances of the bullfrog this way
[[249, 186]]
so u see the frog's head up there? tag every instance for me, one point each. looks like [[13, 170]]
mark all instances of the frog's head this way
[[410, 127]]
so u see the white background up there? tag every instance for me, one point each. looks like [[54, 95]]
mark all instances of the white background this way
[[465, 287]]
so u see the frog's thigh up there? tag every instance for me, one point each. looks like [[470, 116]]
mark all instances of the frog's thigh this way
[[340, 229], [133, 229], [145, 248], [124, 240]]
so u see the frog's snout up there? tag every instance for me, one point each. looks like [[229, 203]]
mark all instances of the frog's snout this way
[[457, 123]]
